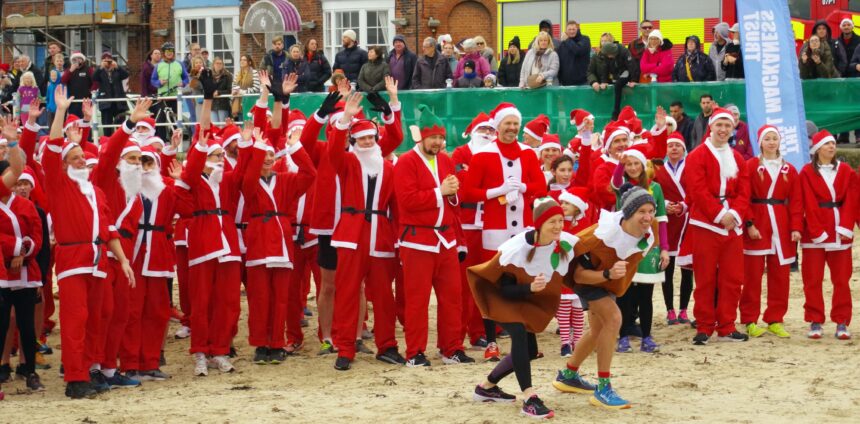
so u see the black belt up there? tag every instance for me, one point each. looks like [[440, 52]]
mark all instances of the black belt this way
[[720, 198], [150, 227], [830, 205], [406, 229], [97, 242], [475, 206], [770, 201], [300, 234], [219, 212], [242, 225], [267, 215], [126, 234], [367, 212]]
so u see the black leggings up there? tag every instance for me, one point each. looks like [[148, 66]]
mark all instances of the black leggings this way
[[24, 302], [669, 286], [523, 351], [490, 330], [636, 303]]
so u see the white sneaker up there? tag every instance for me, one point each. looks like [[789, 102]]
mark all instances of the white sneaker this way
[[815, 331], [200, 366], [182, 333], [222, 363]]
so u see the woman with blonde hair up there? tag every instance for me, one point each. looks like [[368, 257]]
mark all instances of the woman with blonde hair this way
[[487, 52], [540, 66]]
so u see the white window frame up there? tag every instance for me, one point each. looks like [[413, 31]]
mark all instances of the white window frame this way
[[208, 14], [332, 41], [73, 36]]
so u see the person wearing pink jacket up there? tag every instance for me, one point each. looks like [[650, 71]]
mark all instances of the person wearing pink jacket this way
[[656, 64]]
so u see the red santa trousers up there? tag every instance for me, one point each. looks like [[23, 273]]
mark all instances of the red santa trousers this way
[[304, 266], [472, 324], [214, 288], [353, 267], [182, 279], [812, 270], [716, 266], [118, 318], [148, 315], [81, 297], [267, 290], [439, 272], [777, 289]]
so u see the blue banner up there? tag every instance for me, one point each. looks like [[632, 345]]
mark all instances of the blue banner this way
[[774, 95]]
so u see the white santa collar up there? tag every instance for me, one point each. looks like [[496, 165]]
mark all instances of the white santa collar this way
[[515, 252], [609, 231]]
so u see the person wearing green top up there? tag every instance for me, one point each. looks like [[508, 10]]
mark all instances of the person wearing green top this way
[[634, 169]]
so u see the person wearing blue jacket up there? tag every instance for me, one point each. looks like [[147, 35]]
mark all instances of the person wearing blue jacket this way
[[694, 65], [574, 53]]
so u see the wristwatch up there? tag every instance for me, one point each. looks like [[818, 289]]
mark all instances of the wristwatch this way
[[748, 223], [606, 274]]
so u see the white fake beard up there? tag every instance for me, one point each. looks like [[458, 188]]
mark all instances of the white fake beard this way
[[130, 178], [726, 158], [139, 137], [217, 173], [370, 158], [82, 177], [480, 140], [151, 184]]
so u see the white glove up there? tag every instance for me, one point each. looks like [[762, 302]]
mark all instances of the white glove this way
[[501, 190], [585, 136], [519, 186], [512, 197]]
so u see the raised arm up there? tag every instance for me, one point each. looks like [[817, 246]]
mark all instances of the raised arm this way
[[337, 147], [15, 156]]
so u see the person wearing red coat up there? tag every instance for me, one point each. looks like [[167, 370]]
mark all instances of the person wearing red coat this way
[[615, 141], [82, 233], [364, 237], [773, 226], [830, 205], [670, 176], [717, 186], [426, 192]]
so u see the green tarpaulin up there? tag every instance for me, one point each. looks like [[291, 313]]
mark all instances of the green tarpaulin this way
[[833, 104]]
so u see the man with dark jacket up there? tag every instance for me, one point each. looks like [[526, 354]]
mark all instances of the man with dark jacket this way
[[693, 65], [108, 80], [351, 58], [850, 41], [638, 46], [401, 61], [840, 57], [611, 65], [432, 69], [574, 54], [26, 65], [274, 60], [700, 127], [685, 124], [546, 26], [319, 70]]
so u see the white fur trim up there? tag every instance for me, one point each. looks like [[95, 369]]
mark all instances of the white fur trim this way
[[822, 142], [504, 113], [363, 133]]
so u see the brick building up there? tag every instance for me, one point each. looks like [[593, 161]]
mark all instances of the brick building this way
[[131, 28]]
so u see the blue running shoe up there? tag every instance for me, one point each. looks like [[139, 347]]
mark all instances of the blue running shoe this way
[[649, 345], [120, 381], [608, 399], [573, 385], [98, 381], [624, 345]]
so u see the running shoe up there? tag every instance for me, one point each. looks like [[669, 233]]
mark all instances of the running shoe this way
[[491, 395], [734, 336], [366, 334], [566, 351], [671, 318], [492, 352], [44, 349], [222, 363], [361, 348], [459, 357], [308, 312], [503, 334], [261, 355], [277, 356], [182, 333], [682, 317], [5, 373], [575, 384], [80, 390], [293, 348], [34, 383], [624, 345], [533, 407], [98, 381], [326, 348], [155, 375], [701, 339], [201, 365], [753, 330], [419, 360], [342, 363], [778, 330], [120, 381], [391, 356], [608, 398], [815, 331], [842, 332], [649, 345], [480, 344]]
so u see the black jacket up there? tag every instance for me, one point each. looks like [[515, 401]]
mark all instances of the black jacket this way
[[429, 75], [300, 68], [685, 127], [851, 50], [409, 60], [350, 61], [319, 71], [223, 86], [602, 69], [268, 64], [509, 73], [573, 56], [701, 65], [840, 56], [110, 87], [735, 70]]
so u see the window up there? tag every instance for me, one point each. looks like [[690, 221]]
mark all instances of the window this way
[[214, 28], [854, 5], [193, 32], [222, 41], [801, 9], [370, 19], [93, 43]]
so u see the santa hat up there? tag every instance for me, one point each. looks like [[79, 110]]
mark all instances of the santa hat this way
[[721, 113], [77, 54], [152, 140], [578, 118], [150, 152], [848, 20], [670, 122], [428, 124], [573, 147], [537, 127], [265, 145], [28, 175], [549, 141], [130, 146], [214, 146], [576, 196], [610, 132], [147, 123], [819, 139], [71, 120], [635, 126], [297, 121], [91, 158], [627, 113], [3, 141], [482, 120], [362, 128], [230, 134], [504, 110], [766, 129], [639, 152], [677, 137], [544, 209], [641, 138]]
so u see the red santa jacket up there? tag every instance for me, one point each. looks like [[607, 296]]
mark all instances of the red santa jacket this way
[[601, 183], [20, 235], [154, 253], [180, 220], [830, 208], [709, 195], [489, 169], [426, 217], [268, 203], [355, 216], [670, 179], [470, 213], [80, 220], [776, 209]]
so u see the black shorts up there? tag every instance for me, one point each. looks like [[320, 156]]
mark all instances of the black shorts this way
[[588, 293], [326, 254]]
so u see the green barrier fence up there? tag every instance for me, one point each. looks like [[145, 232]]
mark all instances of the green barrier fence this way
[[833, 104]]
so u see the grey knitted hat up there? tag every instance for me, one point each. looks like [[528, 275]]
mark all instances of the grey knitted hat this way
[[633, 197]]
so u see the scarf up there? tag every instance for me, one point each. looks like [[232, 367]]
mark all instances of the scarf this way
[[509, 150]]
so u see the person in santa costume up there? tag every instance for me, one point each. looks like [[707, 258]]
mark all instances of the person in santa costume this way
[[520, 288], [426, 193], [830, 205], [534, 130], [718, 195], [480, 133], [81, 229], [579, 214], [773, 227], [565, 177], [606, 258], [548, 151], [583, 120], [670, 177], [506, 176], [616, 138]]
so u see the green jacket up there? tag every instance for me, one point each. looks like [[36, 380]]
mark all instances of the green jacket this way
[[173, 73]]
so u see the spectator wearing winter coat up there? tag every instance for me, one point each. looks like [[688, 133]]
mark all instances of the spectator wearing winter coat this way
[[319, 70], [546, 26], [574, 53], [638, 46], [352, 58], [487, 52], [693, 65], [371, 78], [108, 79], [850, 41], [401, 62], [656, 63], [146, 87], [718, 48], [700, 126], [482, 67], [510, 65], [450, 55], [837, 50], [683, 122], [611, 64], [733, 60], [431, 69], [296, 64], [79, 81], [540, 63], [816, 60], [274, 60], [470, 77], [27, 65], [221, 108]]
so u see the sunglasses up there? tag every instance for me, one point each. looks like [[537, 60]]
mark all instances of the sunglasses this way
[[481, 44], [646, 27], [168, 50]]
